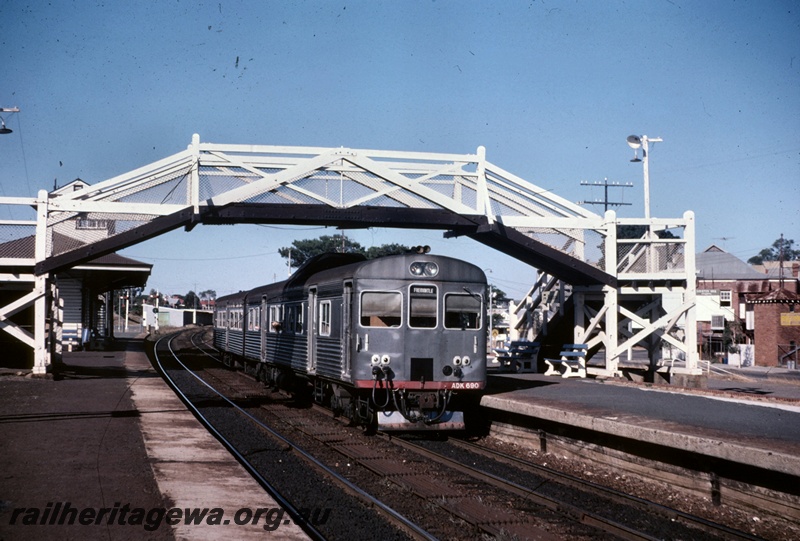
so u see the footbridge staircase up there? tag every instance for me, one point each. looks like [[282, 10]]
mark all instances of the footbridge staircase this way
[[624, 292]]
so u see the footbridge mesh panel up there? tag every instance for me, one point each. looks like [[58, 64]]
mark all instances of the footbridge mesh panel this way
[[651, 257], [167, 189], [17, 241], [215, 181], [68, 231], [587, 245]]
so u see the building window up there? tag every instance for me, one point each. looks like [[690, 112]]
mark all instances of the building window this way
[[86, 223], [725, 298]]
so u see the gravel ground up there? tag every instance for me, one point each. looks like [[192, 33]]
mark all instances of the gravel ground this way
[[764, 526]]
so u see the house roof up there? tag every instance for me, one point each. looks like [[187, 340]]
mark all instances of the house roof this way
[[717, 264], [777, 296], [104, 273], [791, 269]]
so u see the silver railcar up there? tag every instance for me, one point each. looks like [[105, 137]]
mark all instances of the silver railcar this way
[[398, 342]]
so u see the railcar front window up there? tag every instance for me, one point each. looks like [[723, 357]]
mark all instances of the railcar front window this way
[[462, 311], [381, 309], [422, 307]]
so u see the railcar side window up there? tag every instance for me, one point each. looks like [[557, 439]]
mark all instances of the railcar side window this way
[[253, 315], [293, 319], [422, 307], [235, 319], [381, 309], [325, 318], [462, 311], [275, 318]]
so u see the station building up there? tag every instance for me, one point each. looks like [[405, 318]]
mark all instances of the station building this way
[[80, 297]]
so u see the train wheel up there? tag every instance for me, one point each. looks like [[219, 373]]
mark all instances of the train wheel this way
[[370, 426], [366, 417]]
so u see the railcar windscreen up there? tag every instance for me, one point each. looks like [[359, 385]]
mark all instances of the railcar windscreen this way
[[462, 311], [381, 309], [422, 307]]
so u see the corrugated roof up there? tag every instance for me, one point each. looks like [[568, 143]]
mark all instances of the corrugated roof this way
[[715, 264]]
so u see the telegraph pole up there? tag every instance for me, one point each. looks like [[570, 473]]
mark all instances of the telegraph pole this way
[[605, 185]]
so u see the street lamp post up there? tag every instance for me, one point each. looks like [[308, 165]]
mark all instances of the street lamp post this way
[[636, 142], [12, 110]]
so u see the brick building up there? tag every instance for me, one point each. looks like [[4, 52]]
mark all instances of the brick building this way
[[777, 323], [729, 294]]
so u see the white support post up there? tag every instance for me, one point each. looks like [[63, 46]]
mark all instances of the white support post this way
[[41, 355], [611, 295], [194, 176], [579, 329], [690, 295], [484, 201], [57, 324]]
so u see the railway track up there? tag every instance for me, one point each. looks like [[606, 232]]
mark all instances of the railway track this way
[[454, 481], [298, 511]]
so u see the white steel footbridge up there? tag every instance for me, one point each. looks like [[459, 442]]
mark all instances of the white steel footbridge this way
[[622, 292]]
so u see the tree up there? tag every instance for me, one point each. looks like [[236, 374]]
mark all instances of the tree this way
[[499, 297], [773, 253], [303, 250], [191, 300], [386, 249]]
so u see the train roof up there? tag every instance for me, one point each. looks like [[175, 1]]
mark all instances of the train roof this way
[[397, 267], [332, 266], [312, 266]]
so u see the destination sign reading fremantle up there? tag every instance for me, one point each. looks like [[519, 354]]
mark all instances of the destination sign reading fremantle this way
[[423, 290]]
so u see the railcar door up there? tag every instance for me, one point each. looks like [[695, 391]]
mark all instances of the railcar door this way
[[347, 330], [263, 324], [312, 329]]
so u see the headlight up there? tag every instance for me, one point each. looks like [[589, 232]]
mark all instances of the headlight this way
[[385, 359], [420, 268], [376, 359], [465, 361], [457, 361]]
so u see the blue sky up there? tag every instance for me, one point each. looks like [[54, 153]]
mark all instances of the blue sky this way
[[550, 88]]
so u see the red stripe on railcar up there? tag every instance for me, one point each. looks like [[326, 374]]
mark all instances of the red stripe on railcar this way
[[427, 386]]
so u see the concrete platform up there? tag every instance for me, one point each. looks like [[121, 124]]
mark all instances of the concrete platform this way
[[747, 417], [111, 449]]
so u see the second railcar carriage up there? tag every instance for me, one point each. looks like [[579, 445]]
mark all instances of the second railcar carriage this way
[[397, 341]]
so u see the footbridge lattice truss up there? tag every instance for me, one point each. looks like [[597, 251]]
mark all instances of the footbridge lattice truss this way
[[625, 292]]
